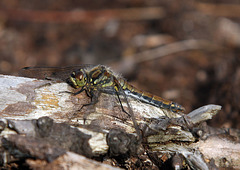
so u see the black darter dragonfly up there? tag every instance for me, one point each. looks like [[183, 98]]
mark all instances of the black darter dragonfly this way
[[95, 79]]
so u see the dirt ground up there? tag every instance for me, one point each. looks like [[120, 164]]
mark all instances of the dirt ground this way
[[197, 61]]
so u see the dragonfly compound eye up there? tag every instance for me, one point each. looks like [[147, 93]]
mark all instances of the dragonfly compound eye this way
[[79, 76]]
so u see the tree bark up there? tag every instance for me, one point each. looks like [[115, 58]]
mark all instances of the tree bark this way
[[42, 119]]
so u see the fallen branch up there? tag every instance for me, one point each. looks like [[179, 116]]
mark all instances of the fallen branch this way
[[40, 120]]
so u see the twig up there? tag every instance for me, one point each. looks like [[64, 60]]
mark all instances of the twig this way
[[185, 45], [193, 44]]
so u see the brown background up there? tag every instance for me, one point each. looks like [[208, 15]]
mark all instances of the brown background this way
[[63, 33]]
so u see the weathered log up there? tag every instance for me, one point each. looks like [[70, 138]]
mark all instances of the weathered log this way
[[40, 111]]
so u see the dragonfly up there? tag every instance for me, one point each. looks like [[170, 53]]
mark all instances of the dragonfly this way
[[96, 79]]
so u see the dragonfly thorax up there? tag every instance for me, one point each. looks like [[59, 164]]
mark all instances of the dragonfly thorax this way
[[98, 77]]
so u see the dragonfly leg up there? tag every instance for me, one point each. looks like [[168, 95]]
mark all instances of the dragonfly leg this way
[[138, 131], [94, 100], [121, 104], [66, 92], [78, 92]]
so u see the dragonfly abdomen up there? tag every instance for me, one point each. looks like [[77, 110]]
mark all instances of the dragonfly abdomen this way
[[150, 98]]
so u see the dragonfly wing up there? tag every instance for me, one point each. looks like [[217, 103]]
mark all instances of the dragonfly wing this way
[[51, 73]]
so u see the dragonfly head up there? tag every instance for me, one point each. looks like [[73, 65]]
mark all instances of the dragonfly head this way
[[78, 78]]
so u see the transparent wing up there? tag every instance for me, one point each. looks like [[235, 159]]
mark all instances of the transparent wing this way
[[51, 73]]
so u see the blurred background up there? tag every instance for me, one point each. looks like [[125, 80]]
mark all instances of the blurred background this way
[[186, 51]]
